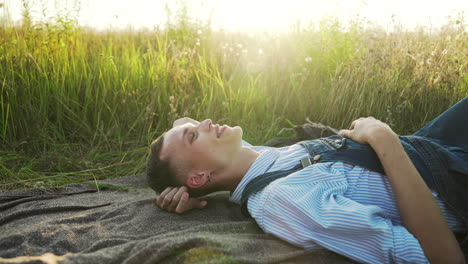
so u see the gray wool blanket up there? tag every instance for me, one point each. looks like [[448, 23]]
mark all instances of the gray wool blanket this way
[[80, 223]]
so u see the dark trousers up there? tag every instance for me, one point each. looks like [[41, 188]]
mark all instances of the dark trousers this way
[[450, 129]]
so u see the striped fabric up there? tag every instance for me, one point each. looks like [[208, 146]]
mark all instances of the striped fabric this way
[[344, 208]]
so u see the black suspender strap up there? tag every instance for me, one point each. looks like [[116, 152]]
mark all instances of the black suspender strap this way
[[261, 182]]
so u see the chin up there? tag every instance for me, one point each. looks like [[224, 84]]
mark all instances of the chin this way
[[234, 135], [238, 131]]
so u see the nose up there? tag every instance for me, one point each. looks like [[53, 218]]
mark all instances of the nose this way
[[206, 124]]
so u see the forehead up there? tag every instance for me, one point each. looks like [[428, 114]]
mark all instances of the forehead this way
[[173, 140]]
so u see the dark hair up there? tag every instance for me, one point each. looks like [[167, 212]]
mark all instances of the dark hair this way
[[158, 172], [161, 174]]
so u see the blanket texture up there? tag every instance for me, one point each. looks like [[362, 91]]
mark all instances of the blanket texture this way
[[80, 223]]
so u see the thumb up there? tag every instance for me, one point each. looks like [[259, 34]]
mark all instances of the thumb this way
[[195, 203], [344, 133], [202, 204]]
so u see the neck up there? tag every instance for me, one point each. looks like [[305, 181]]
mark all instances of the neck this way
[[239, 167]]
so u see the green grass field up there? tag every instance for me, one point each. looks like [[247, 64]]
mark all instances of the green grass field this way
[[78, 105]]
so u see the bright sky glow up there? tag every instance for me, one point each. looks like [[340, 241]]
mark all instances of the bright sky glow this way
[[245, 15]]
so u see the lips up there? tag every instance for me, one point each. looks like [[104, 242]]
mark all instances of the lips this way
[[219, 130]]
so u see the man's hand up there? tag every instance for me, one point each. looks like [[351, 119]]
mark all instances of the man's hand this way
[[177, 200], [366, 130]]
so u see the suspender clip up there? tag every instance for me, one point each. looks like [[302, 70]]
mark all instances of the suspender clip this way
[[306, 162]]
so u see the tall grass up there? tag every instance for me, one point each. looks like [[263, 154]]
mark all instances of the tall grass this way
[[77, 104]]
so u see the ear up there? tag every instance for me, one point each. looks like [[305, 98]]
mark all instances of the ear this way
[[197, 179]]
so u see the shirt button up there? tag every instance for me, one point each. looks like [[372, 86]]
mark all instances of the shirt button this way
[[316, 157]]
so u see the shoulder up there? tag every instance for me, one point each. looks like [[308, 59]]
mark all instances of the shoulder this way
[[295, 195], [320, 173], [310, 183]]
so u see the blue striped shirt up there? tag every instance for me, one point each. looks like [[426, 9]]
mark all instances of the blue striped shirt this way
[[335, 205]]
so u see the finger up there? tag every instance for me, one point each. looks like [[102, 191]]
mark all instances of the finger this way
[[163, 195], [186, 203], [201, 204], [167, 200], [353, 124], [195, 203], [175, 200], [344, 133], [182, 206]]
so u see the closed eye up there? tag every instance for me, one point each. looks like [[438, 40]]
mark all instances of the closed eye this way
[[192, 137]]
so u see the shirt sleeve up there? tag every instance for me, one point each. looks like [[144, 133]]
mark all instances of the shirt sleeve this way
[[309, 214]]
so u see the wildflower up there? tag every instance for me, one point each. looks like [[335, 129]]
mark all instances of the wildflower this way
[[171, 98], [199, 32], [244, 51], [433, 53], [239, 46], [308, 59], [260, 51], [437, 79], [173, 109]]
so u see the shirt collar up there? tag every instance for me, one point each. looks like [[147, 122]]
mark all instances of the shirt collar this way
[[260, 166]]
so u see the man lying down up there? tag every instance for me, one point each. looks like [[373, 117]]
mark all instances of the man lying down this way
[[366, 193]]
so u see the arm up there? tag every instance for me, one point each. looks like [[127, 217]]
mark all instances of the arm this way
[[418, 209]]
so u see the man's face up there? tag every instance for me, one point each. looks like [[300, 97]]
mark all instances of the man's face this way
[[205, 146]]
